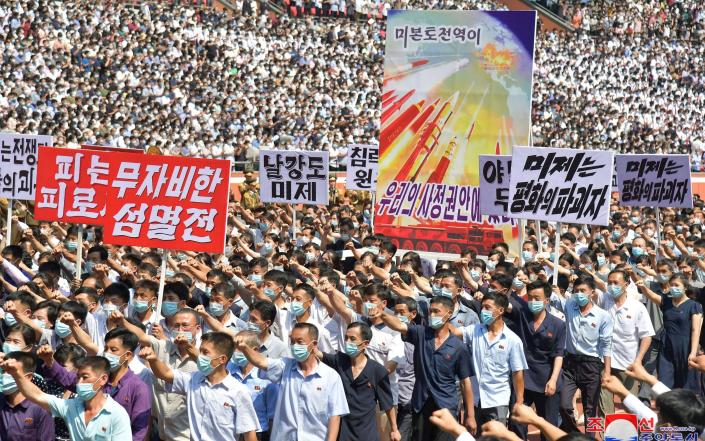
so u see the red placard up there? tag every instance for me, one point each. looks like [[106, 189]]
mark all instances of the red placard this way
[[71, 185], [167, 202], [107, 148]]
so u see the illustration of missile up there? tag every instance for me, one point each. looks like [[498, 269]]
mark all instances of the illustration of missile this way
[[396, 127], [387, 94], [442, 167], [430, 131], [388, 101], [404, 70], [396, 106]]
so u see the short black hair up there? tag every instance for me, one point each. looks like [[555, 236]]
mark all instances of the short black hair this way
[[276, 276], [224, 288], [444, 301], [222, 341], [149, 285], [410, 303], [503, 279], [365, 330], [52, 308], [79, 310], [127, 338], [683, 408], [585, 280], [499, 300], [97, 364], [69, 352], [177, 288], [217, 274], [306, 288], [311, 329], [99, 249], [28, 360], [24, 298], [117, 289], [92, 293], [28, 334], [267, 310], [14, 250], [150, 269], [540, 284]]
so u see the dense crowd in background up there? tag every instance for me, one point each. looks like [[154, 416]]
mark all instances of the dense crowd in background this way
[[203, 83]]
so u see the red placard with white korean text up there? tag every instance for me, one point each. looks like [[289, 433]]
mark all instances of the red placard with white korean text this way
[[167, 202], [71, 185]]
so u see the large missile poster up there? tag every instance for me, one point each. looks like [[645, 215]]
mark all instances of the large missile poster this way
[[457, 85]]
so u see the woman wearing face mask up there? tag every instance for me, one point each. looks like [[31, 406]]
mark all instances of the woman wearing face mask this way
[[682, 320]]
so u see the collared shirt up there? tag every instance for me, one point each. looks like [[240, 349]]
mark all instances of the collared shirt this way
[[26, 421], [305, 404], [169, 409], [464, 316], [589, 334], [325, 344], [541, 347], [370, 389], [111, 423], [220, 411], [131, 393], [494, 362], [436, 370], [407, 379], [630, 323], [264, 393], [272, 347], [232, 322]]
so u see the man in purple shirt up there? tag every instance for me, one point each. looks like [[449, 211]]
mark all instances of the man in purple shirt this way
[[123, 385], [21, 419]]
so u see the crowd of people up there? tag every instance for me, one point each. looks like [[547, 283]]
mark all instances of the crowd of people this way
[[312, 327], [204, 83]]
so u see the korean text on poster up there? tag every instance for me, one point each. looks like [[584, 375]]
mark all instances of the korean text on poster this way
[[561, 185], [294, 177], [18, 164], [654, 180], [494, 184], [362, 167], [167, 202], [71, 185]]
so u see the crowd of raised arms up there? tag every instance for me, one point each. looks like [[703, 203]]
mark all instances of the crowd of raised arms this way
[[199, 82], [338, 335]]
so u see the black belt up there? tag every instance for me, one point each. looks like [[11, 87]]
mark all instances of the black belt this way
[[583, 358]]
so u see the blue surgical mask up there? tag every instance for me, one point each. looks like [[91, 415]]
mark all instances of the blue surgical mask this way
[[239, 359], [601, 260], [204, 364], [614, 290], [446, 293], [476, 275], [676, 292], [435, 322], [637, 251], [404, 319], [186, 334], [85, 391], [88, 266], [41, 323], [616, 234], [536, 306], [351, 349], [255, 278], [300, 352], [612, 266], [436, 289], [636, 219], [664, 278], [7, 348], [528, 256], [345, 238], [113, 359], [71, 246], [62, 330], [8, 386], [491, 265], [266, 249], [298, 308], [369, 306], [278, 267], [254, 327], [140, 306], [216, 309], [486, 317], [269, 292], [581, 298], [169, 273], [170, 308], [109, 308], [310, 257], [588, 267], [208, 291], [10, 319], [518, 284]]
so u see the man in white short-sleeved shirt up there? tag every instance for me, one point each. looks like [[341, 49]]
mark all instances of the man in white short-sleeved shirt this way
[[219, 407]]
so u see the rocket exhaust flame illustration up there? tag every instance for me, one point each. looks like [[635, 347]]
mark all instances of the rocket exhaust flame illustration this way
[[404, 70]]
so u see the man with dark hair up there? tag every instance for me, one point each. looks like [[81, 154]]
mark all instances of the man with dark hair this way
[[311, 396], [21, 418], [498, 357], [300, 311], [219, 407], [366, 385], [440, 359], [144, 301], [588, 352], [105, 417], [123, 385], [261, 318]]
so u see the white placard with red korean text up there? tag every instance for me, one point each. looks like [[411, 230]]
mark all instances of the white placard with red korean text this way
[[18, 164]]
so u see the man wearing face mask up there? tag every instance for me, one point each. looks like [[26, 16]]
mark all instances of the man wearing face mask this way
[[451, 286], [588, 352], [105, 416], [497, 355], [439, 359], [218, 405], [21, 418], [180, 353], [631, 334], [366, 385], [123, 385], [347, 234], [529, 250], [312, 398]]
